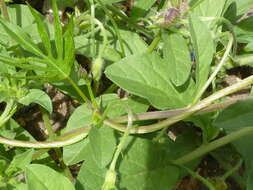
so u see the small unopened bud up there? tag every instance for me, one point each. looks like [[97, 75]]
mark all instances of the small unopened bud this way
[[97, 69]]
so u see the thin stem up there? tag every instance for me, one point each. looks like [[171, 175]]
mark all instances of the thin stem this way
[[4, 10], [115, 26], [64, 140], [202, 150], [217, 69], [92, 10], [232, 170], [171, 113], [207, 183], [110, 177], [117, 12], [154, 43]]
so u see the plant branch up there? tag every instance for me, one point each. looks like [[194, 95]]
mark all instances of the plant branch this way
[[202, 150]]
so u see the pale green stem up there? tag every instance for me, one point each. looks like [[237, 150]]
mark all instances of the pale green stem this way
[[232, 170], [217, 69], [204, 149], [171, 113], [201, 105], [110, 178], [64, 140]]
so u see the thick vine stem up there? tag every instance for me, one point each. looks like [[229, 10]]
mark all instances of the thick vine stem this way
[[64, 140]]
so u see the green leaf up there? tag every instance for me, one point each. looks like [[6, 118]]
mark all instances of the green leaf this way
[[132, 42], [58, 31], [39, 97], [75, 153], [146, 75], [177, 56], [210, 8], [21, 187], [203, 49], [141, 8], [20, 37], [81, 117], [20, 161], [42, 28], [41, 177], [103, 144], [90, 171]]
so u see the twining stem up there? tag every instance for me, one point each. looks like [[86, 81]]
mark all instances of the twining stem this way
[[77, 135], [202, 150], [217, 69], [232, 170], [64, 140], [4, 10], [172, 113]]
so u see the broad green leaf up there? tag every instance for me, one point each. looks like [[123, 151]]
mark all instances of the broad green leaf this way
[[103, 144], [203, 49], [81, 117], [210, 8], [39, 97], [141, 8], [41, 177], [144, 164], [20, 37], [151, 163], [177, 56], [90, 171], [42, 28], [75, 153], [19, 162], [146, 75], [132, 42]]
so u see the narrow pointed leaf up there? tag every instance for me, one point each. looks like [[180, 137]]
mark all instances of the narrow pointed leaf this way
[[57, 30], [42, 29], [20, 37]]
